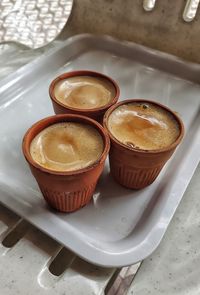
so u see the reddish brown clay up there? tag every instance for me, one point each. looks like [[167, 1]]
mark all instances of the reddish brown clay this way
[[136, 168], [66, 191], [96, 113]]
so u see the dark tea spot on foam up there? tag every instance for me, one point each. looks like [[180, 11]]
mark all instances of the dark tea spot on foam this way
[[130, 144], [144, 106]]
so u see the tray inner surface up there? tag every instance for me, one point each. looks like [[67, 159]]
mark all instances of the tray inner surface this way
[[117, 219]]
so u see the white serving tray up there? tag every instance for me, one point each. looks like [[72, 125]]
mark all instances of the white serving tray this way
[[120, 226]]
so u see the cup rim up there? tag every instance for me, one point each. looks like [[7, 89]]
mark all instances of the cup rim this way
[[143, 151], [84, 73], [45, 122]]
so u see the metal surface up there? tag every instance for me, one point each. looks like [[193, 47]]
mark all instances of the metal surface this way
[[190, 10], [33, 23], [173, 269], [189, 13], [119, 227], [32, 263], [149, 4]]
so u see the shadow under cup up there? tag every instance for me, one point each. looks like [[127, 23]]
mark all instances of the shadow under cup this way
[[137, 168], [66, 191]]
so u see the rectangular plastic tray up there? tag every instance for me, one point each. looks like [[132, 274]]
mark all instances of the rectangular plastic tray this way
[[120, 226]]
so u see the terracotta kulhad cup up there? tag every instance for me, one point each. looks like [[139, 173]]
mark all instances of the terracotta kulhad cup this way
[[137, 168], [70, 190], [94, 113]]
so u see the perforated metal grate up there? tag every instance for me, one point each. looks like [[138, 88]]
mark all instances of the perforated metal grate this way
[[33, 23]]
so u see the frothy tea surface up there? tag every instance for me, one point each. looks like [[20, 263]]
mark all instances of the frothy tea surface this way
[[84, 92], [143, 126], [67, 146]]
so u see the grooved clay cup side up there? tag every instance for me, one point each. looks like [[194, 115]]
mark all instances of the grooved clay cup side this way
[[136, 168], [95, 113], [71, 190]]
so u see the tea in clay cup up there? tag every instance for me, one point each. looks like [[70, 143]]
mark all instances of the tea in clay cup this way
[[65, 190], [84, 93], [144, 134]]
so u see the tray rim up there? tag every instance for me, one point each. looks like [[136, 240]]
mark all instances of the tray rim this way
[[109, 258], [105, 38]]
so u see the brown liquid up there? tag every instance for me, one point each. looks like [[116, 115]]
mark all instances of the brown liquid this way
[[84, 92], [143, 126], [67, 146]]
